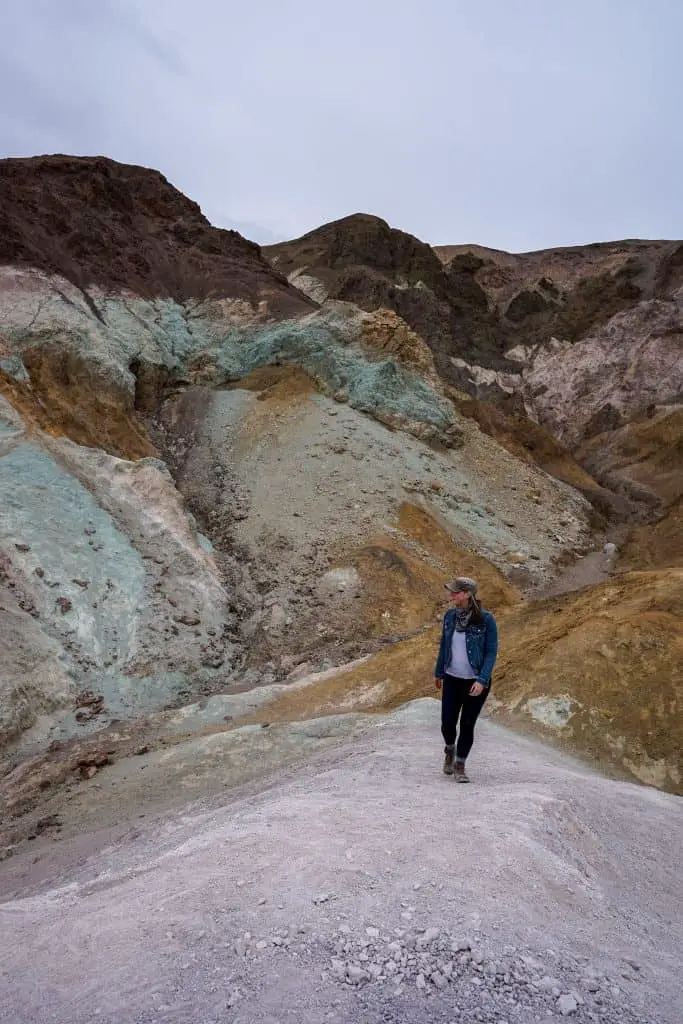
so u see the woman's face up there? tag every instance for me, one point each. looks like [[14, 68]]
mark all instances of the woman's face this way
[[460, 598]]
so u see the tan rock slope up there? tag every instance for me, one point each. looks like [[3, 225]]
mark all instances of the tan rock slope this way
[[599, 672]]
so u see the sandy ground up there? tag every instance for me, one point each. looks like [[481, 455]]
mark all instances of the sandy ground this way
[[232, 910]]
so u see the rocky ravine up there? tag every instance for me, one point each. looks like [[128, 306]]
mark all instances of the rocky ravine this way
[[158, 545], [125, 594]]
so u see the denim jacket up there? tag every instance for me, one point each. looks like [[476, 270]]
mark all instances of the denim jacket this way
[[481, 641]]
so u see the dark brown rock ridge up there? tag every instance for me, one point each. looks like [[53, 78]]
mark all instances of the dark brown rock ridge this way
[[361, 259], [475, 303], [569, 291], [120, 227]]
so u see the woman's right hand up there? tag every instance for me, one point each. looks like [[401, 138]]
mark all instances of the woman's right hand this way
[[437, 683]]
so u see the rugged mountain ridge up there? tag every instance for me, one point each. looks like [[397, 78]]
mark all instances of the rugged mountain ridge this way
[[474, 303], [361, 259], [575, 342]]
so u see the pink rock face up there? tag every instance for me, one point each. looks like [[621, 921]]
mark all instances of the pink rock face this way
[[597, 384]]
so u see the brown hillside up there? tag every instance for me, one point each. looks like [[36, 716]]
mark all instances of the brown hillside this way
[[361, 259], [504, 274], [533, 443], [656, 545], [98, 222]]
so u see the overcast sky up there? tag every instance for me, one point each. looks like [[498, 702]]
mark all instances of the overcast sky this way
[[514, 123]]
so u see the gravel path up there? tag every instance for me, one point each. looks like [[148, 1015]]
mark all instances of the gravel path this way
[[368, 887]]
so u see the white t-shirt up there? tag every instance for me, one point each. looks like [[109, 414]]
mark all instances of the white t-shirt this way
[[458, 663]]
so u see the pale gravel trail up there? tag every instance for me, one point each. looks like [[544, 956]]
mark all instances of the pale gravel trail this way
[[540, 856]]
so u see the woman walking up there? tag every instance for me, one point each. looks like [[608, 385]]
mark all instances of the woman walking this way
[[467, 654]]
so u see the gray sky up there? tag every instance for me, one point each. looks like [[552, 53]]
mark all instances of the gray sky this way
[[514, 123]]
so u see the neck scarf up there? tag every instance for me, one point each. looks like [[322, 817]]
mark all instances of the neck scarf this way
[[462, 618]]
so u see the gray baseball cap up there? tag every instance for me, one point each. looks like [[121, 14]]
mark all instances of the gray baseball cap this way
[[462, 583]]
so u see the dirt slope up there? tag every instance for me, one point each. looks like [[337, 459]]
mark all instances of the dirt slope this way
[[531, 442], [656, 545], [645, 455], [364, 887]]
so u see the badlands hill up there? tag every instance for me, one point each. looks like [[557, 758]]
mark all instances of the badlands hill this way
[[233, 483], [570, 345], [216, 477], [583, 377]]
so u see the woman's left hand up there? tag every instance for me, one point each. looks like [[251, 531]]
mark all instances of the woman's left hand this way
[[476, 689]]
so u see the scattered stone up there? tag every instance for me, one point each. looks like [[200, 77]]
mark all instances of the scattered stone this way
[[49, 821], [427, 937], [89, 705], [460, 945], [89, 765], [567, 1004], [234, 997], [187, 620], [516, 557]]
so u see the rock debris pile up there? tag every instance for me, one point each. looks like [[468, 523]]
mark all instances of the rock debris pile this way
[[465, 976]]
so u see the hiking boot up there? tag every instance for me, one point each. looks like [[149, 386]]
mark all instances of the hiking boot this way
[[448, 761], [459, 772]]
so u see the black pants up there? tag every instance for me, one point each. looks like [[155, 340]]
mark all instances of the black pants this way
[[456, 703]]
